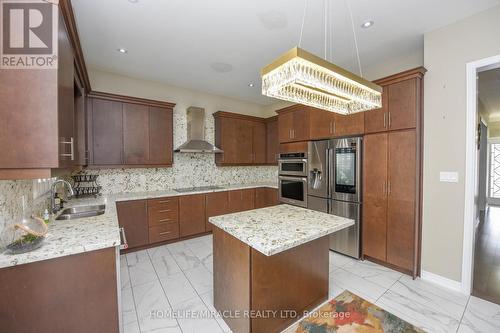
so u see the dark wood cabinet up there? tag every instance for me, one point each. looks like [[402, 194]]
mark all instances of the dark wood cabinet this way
[[265, 197], [375, 195], [259, 142], [272, 140], [107, 132], [160, 136], [293, 123], [127, 131], [216, 203], [392, 184], [163, 219], [192, 214], [401, 194], [135, 134], [322, 124], [244, 139], [376, 120], [241, 200], [353, 124], [133, 217]]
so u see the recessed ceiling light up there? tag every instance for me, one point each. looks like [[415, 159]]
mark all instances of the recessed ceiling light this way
[[122, 50], [250, 85], [367, 24], [133, 1]]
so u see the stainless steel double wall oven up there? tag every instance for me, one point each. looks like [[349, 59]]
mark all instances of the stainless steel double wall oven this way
[[292, 179]]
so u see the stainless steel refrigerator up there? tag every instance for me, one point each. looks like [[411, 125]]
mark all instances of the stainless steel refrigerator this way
[[334, 187]]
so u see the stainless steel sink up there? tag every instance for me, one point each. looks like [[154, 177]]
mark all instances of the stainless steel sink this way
[[81, 212], [197, 189]]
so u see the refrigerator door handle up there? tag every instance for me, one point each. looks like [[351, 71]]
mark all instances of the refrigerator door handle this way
[[331, 175]]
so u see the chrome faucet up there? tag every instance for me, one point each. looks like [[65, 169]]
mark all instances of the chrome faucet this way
[[53, 190]]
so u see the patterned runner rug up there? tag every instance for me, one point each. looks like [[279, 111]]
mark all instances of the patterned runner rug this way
[[348, 313]]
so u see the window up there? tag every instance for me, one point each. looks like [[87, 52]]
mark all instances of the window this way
[[495, 170]]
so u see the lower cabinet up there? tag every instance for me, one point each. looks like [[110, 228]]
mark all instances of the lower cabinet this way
[[133, 217], [192, 214], [265, 197], [159, 220], [217, 203]]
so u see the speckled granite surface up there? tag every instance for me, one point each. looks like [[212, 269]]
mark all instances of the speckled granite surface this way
[[93, 233], [275, 229]]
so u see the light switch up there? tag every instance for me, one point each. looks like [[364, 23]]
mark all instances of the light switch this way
[[448, 177]]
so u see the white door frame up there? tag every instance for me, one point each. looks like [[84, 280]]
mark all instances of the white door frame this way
[[473, 68]]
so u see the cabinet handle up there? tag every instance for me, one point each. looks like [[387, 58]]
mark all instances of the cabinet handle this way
[[388, 188], [164, 210], [71, 144], [164, 220], [334, 127], [389, 122], [124, 244], [385, 119], [383, 188], [289, 134], [165, 233], [164, 201]]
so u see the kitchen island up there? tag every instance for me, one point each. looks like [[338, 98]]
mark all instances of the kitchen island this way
[[271, 265]]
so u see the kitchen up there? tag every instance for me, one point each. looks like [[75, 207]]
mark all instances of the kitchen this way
[[177, 197]]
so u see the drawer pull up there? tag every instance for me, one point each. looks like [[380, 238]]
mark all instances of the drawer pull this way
[[164, 220], [165, 233], [164, 210], [164, 201]]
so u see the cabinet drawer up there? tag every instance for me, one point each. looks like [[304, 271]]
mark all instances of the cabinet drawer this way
[[163, 203], [162, 215], [163, 232]]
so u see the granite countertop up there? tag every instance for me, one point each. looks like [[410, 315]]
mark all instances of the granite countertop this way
[[97, 232], [275, 229]]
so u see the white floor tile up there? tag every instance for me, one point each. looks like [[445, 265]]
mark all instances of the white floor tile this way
[[142, 272], [423, 316], [339, 260], [369, 271], [481, 316], [136, 257], [200, 278], [129, 315], [208, 299], [186, 259], [178, 289], [198, 325], [357, 285], [149, 298], [158, 252], [124, 277], [165, 266]]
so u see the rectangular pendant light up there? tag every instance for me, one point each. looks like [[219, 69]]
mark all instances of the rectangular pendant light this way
[[301, 77]]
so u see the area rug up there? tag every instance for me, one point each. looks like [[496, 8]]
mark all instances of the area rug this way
[[348, 313]]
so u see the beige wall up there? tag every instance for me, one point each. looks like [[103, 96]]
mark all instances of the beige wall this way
[[446, 52]]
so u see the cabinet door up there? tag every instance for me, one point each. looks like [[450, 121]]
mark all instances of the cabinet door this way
[[301, 125], [259, 142], [353, 124], [375, 196], [107, 132], [376, 120], [265, 197], [135, 133], [216, 204], [285, 127], [244, 139], [81, 126], [133, 217], [160, 136], [65, 99], [321, 124], [402, 104], [401, 198], [247, 199], [192, 214], [272, 141]]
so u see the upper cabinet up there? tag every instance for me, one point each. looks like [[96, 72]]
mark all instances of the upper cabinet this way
[[244, 139], [401, 100], [125, 131], [272, 141], [38, 115], [293, 124]]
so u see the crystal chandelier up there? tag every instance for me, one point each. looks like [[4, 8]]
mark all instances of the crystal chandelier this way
[[302, 77]]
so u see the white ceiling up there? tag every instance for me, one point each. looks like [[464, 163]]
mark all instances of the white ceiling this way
[[489, 93], [219, 46]]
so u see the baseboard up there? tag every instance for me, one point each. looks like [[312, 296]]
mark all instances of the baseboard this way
[[442, 281]]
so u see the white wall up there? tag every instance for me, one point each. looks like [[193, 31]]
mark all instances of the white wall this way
[[446, 53], [188, 170]]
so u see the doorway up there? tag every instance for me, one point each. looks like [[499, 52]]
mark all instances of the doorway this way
[[485, 241]]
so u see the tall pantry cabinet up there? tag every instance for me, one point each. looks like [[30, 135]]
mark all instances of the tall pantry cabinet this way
[[392, 174]]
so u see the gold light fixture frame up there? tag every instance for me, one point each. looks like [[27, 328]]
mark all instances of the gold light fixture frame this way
[[302, 77]]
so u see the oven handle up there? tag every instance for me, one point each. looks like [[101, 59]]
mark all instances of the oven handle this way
[[303, 160], [303, 179]]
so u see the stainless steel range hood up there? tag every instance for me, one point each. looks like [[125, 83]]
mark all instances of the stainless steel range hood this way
[[196, 134]]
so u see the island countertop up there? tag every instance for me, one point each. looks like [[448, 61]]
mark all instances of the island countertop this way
[[275, 229]]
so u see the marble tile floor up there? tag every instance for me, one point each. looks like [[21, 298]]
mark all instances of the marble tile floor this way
[[178, 277]]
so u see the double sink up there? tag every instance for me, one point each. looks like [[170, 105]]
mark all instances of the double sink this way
[[81, 212]]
